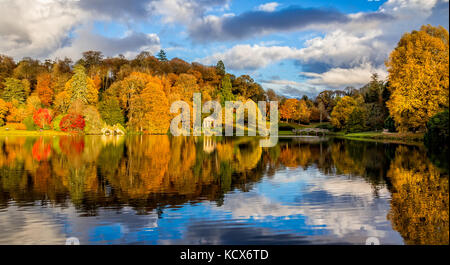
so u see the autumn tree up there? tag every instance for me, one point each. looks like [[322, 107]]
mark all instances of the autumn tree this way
[[245, 86], [7, 66], [289, 109], [3, 111], [157, 115], [81, 87], [15, 89], [62, 102], [150, 109], [186, 86], [418, 77], [128, 89], [42, 118], [60, 74], [28, 69], [44, 89], [110, 111], [304, 113], [341, 113], [91, 59]]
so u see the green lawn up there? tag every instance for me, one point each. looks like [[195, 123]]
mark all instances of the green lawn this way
[[387, 136], [14, 132]]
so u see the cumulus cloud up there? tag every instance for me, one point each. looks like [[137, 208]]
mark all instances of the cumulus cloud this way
[[184, 11], [46, 28], [35, 28], [251, 56], [129, 45], [268, 7], [117, 9], [257, 22], [341, 77], [290, 88]]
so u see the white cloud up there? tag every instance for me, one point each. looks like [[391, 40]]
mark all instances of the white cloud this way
[[268, 7], [281, 82], [251, 56], [46, 28], [360, 214], [341, 77], [129, 45], [35, 28], [184, 11], [340, 48]]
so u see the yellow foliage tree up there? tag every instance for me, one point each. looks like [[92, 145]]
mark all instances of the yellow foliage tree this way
[[149, 110], [289, 109], [3, 111], [304, 113], [80, 86], [418, 77], [341, 113]]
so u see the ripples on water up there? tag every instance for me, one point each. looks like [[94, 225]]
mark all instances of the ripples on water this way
[[162, 190]]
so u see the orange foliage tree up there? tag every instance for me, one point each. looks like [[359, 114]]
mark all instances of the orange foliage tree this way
[[289, 109], [44, 89]]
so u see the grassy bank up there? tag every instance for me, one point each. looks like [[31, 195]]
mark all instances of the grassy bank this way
[[286, 129], [14, 132], [409, 137]]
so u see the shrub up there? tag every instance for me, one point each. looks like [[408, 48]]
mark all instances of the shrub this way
[[286, 127], [42, 118], [437, 130], [72, 123], [389, 124], [93, 120], [120, 126], [17, 126], [56, 121], [29, 124], [356, 121], [111, 112], [326, 126], [20, 126], [436, 139]]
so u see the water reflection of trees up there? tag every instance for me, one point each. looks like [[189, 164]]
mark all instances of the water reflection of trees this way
[[154, 172], [419, 207]]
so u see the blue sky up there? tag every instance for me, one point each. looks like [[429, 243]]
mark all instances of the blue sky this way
[[294, 47]]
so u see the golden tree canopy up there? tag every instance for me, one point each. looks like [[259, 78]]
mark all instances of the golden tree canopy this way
[[418, 77]]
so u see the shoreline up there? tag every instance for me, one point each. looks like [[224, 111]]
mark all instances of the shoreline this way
[[408, 137]]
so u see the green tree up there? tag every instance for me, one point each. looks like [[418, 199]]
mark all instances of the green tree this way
[[162, 56], [389, 124], [14, 89], [437, 136], [220, 68], [225, 91], [81, 87], [111, 112], [357, 120]]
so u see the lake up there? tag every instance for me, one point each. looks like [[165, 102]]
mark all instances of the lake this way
[[206, 190]]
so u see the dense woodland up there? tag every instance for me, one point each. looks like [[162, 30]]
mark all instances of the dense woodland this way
[[135, 95]]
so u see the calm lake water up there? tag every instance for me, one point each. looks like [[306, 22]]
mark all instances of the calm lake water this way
[[175, 190]]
